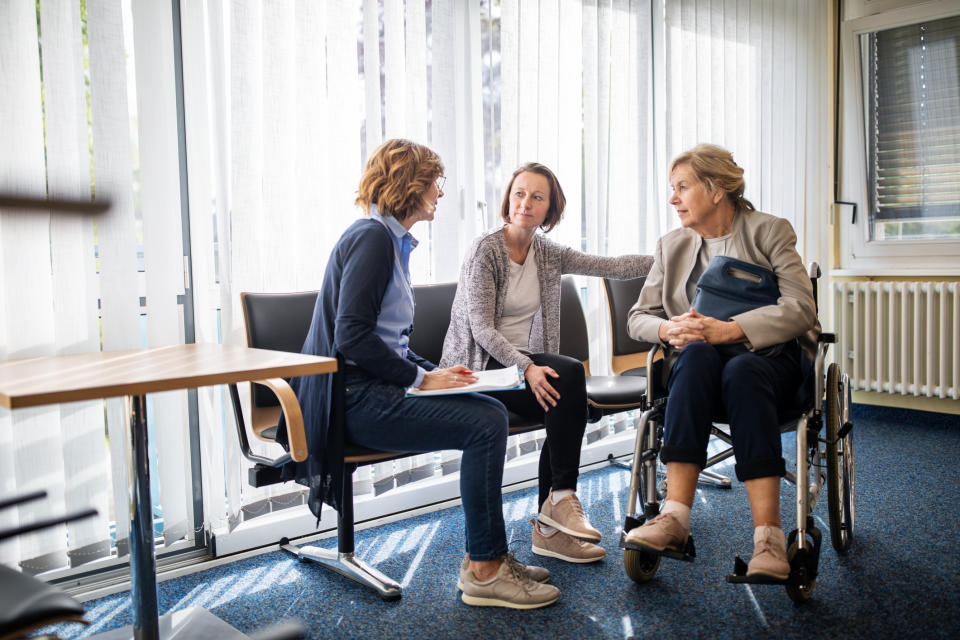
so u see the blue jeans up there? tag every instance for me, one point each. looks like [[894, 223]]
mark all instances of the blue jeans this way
[[710, 383], [380, 416]]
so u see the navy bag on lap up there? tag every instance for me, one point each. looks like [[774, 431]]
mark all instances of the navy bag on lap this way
[[729, 287]]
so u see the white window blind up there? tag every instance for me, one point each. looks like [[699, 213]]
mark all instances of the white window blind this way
[[913, 75], [750, 76], [74, 284]]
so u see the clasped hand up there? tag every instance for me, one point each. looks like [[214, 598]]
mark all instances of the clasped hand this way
[[458, 376], [679, 331]]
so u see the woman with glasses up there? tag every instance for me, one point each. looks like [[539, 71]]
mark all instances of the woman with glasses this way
[[365, 313], [507, 313]]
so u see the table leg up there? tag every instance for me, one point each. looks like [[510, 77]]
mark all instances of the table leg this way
[[143, 563]]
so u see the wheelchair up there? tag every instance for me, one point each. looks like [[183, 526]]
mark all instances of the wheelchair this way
[[825, 458]]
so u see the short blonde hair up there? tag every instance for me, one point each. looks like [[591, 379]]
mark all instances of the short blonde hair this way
[[714, 167], [397, 176], [558, 201]]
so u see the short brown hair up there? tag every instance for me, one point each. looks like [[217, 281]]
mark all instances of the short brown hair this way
[[714, 167], [558, 202], [397, 176]]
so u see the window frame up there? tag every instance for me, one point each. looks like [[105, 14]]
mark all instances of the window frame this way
[[857, 252]]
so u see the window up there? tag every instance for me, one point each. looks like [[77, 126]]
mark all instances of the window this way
[[912, 83]]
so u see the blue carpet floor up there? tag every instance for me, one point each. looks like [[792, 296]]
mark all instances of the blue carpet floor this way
[[900, 579]]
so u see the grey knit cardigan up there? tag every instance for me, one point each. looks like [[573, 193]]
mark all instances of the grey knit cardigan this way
[[472, 338]]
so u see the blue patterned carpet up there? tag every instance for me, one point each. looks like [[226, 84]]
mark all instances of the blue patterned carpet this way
[[899, 580]]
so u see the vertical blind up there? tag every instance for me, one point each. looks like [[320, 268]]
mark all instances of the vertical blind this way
[[284, 101], [914, 113], [73, 284], [750, 76]]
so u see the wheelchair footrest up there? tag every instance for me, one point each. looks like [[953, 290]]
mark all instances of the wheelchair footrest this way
[[687, 554], [739, 576]]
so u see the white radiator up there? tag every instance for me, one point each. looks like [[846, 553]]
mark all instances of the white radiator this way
[[899, 337]]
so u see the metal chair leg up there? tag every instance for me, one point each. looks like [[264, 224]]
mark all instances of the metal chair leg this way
[[348, 565], [714, 479]]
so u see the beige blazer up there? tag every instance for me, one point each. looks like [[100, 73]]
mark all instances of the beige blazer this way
[[757, 237]]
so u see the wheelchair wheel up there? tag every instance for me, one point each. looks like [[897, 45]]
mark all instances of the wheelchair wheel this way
[[840, 473], [799, 593], [640, 566]]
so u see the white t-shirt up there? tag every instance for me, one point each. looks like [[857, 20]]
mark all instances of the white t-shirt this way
[[521, 302], [710, 248]]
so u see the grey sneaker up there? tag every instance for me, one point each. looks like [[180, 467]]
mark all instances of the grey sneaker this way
[[567, 515], [664, 532], [565, 547], [510, 588], [537, 574], [769, 554]]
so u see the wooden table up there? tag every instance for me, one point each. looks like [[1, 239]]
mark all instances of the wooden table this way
[[47, 380]]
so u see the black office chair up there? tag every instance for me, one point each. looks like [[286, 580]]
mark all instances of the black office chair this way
[[628, 357], [605, 394], [280, 321], [27, 603]]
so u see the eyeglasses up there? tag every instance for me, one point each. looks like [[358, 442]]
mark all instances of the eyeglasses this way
[[440, 182]]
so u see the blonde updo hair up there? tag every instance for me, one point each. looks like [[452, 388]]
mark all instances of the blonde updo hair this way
[[397, 176], [714, 167]]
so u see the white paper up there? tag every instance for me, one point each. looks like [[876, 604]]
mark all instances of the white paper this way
[[493, 380]]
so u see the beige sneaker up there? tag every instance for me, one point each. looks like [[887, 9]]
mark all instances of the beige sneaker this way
[[567, 515], [537, 574], [664, 532], [510, 588], [769, 554], [565, 547]]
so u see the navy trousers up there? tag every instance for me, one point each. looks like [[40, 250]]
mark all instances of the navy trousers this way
[[730, 383]]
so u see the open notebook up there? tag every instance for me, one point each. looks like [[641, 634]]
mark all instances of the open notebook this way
[[504, 379]]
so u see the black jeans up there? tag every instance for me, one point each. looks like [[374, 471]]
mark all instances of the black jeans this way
[[565, 423]]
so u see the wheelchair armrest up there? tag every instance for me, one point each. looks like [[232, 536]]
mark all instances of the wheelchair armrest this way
[[655, 362]]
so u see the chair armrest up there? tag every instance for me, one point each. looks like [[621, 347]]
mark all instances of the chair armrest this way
[[290, 406]]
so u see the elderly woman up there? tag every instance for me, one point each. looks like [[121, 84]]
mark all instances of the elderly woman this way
[[747, 367], [507, 313], [365, 313]]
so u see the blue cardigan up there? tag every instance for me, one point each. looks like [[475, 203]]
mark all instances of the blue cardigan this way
[[356, 278]]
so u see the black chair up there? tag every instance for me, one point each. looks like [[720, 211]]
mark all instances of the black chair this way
[[823, 461], [628, 357], [605, 394], [280, 321], [27, 603]]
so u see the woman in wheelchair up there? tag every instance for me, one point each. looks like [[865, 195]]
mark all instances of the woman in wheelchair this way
[[746, 367]]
